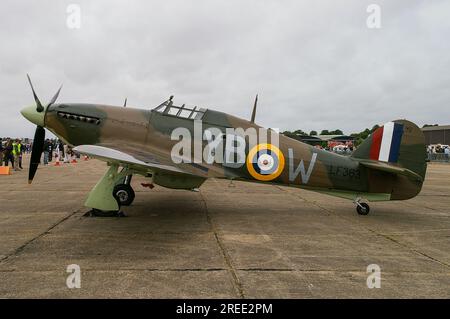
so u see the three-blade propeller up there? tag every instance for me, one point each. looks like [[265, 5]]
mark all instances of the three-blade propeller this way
[[39, 134]]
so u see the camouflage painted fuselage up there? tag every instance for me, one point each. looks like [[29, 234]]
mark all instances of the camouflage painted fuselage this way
[[146, 135]]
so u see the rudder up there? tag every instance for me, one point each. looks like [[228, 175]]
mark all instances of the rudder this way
[[399, 143]]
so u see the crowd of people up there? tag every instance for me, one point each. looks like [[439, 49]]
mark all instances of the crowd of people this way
[[12, 151], [438, 152], [342, 148]]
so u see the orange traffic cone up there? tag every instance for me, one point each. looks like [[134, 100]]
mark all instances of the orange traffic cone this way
[[57, 161], [74, 160], [86, 157]]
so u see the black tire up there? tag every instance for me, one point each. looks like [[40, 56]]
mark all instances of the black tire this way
[[124, 194], [364, 210]]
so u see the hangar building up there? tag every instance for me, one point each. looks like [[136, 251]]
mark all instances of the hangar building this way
[[437, 134]]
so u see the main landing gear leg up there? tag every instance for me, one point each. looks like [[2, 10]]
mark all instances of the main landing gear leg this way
[[361, 207], [101, 198]]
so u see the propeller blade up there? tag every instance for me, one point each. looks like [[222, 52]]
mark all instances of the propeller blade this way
[[36, 152], [39, 106], [53, 100], [125, 103]]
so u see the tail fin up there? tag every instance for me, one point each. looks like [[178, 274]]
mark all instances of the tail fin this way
[[400, 143]]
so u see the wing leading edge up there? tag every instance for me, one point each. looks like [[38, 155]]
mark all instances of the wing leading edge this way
[[164, 175]]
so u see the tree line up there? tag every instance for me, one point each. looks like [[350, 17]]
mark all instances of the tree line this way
[[313, 133], [359, 137]]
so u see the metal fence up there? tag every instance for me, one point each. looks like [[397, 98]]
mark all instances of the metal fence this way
[[438, 157]]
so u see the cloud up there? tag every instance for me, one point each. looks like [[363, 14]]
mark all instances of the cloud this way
[[315, 64]]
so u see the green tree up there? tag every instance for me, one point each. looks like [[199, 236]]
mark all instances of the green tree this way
[[361, 136], [336, 132], [299, 132], [374, 128], [312, 133]]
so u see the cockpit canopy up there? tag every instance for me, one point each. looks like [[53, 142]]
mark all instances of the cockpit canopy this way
[[180, 111]]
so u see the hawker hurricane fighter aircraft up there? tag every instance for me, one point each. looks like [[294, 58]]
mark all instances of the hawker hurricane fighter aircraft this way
[[180, 147]]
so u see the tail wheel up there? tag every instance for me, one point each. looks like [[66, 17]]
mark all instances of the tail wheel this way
[[362, 208], [124, 194]]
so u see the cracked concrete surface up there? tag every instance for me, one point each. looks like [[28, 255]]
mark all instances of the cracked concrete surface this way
[[247, 240]]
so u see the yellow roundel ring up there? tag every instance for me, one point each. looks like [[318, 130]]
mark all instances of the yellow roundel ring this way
[[265, 162]]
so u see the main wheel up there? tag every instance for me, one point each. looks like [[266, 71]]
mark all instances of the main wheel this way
[[363, 208], [124, 194]]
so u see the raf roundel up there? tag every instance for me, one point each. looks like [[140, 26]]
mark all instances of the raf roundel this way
[[265, 162]]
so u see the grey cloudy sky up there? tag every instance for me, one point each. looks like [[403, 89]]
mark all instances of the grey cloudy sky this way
[[315, 64]]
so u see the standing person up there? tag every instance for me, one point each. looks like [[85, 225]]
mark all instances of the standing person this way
[[20, 152], [47, 146], [66, 154], [447, 153], [7, 153], [57, 151], [61, 150], [15, 155], [50, 150], [1, 152]]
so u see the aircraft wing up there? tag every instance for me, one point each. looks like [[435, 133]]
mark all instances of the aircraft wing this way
[[164, 175]]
